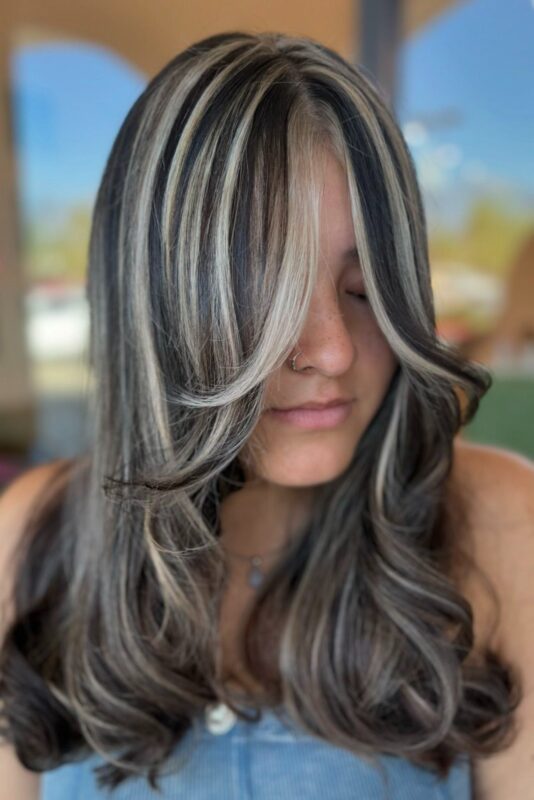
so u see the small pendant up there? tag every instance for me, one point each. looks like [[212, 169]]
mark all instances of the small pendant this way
[[219, 718], [255, 576]]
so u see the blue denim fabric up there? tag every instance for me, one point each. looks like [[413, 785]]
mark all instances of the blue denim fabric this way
[[268, 759]]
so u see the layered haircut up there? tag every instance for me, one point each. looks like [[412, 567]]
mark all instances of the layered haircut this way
[[202, 261]]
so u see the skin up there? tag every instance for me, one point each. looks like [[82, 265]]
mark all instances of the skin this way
[[349, 357], [348, 353]]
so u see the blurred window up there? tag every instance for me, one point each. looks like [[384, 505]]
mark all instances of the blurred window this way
[[466, 109], [69, 100]]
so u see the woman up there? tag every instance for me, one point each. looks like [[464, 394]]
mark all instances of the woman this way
[[226, 597]]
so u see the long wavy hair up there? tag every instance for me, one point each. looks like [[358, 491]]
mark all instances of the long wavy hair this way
[[202, 261]]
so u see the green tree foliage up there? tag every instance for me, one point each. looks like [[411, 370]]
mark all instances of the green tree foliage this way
[[489, 239], [59, 249]]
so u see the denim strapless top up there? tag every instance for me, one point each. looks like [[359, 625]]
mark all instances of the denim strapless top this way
[[269, 759]]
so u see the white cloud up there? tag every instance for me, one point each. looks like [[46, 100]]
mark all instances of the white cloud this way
[[415, 133]]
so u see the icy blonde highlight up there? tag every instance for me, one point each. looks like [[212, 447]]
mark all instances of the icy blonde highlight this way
[[202, 262]]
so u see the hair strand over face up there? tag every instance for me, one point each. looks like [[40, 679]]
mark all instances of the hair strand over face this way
[[202, 262]]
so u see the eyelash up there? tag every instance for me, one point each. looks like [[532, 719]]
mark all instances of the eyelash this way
[[359, 295]]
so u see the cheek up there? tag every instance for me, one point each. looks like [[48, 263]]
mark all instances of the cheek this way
[[374, 353]]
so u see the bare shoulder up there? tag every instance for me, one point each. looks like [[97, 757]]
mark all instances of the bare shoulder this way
[[498, 485], [19, 496], [17, 502], [490, 471]]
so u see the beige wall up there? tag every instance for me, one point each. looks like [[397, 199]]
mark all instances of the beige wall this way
[[149, 33]]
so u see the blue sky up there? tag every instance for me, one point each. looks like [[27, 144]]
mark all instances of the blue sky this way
[[476, 60], [70, 100]]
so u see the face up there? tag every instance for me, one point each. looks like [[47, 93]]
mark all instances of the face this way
[[347, 357]]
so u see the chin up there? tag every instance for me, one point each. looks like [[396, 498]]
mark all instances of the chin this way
[[303, 464], [313, 474], [305, 483]]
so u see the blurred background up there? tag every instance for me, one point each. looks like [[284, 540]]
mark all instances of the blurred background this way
[[458, 76]]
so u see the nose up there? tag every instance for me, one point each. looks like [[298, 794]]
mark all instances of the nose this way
[[326, 340]]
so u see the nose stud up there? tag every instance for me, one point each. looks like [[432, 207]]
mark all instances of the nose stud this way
[[293, 360]]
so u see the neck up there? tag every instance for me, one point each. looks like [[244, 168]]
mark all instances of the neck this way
[[262, 517]]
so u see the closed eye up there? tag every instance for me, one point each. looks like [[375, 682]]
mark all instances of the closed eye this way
[[359, 295]]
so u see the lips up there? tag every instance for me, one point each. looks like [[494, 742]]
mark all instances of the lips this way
[[313, 418], [317, 405]]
